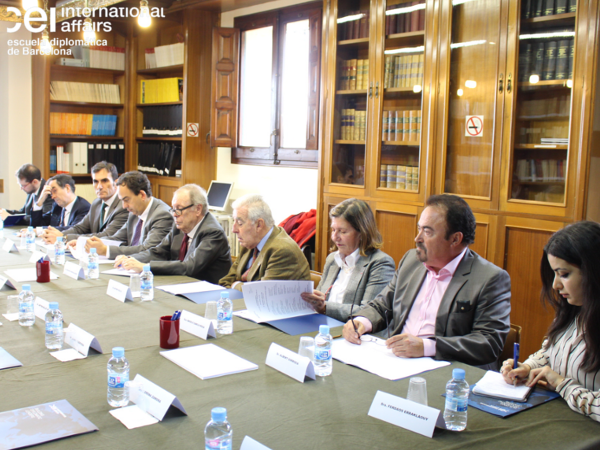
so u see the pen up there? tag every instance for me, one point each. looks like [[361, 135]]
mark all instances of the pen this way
[[516, 361], [175, 315]]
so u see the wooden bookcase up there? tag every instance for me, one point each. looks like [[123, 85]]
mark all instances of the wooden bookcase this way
[[478, 42]]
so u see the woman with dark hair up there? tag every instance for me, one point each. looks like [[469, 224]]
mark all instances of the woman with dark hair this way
[[569, 361], [358, 270]]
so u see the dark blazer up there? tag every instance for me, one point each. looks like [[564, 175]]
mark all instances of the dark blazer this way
[[370, 275], [473, 319], [31, 199], [115, 217], [80, 208], [157, 225], [208, 256]]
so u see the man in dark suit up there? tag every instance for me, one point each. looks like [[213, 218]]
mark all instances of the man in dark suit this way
[[68, 209], [196, 246], [148, 223], [446, 301], [106, 213], [31, 182]]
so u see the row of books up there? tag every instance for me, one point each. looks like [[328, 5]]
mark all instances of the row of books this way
[[538, 8], [353, 125], [545, 108], [401, 126], [83, 124], [354, 74], [161, 90], [555, 141], [160, 158], [404, 70], [356, 28], [533, 134], [98, 56], [399, 177], [163, 120], [541, 169], [84, 92], [550, 60], [164, 56], [405, 18], [79, 157]]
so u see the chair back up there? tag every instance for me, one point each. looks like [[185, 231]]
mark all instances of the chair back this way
[[514, 336], [315, 277]]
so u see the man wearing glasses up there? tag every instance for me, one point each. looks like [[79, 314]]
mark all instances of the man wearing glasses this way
[[31, 182], [196, 246], [446, 301]]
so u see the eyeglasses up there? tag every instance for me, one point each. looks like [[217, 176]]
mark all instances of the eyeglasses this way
[[371, 338], [374, 339], [23, 186], [179, 212]]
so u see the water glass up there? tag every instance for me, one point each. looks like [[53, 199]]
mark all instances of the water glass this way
[[211, 313], [307, 347], [417, 390], [135, 285]]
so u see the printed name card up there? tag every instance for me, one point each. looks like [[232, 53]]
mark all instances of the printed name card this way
[[290, 363], [196, 325], [250, 444], [406, 414], [80, 340], [6, 282], [36, 256], [74, 271], [119, 291], [45, 249], [40, 308], [9, 246]]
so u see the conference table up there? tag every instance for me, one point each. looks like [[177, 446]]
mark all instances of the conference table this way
[[272, 408]]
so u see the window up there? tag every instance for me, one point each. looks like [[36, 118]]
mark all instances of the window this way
[[279, 87]]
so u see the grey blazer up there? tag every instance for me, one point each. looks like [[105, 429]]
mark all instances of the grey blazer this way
[[115, 217], [370, 275], [208, 256], [473, 319], [157, 225]]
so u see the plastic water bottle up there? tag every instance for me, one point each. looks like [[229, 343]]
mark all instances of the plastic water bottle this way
[[54, 327], [59, 251], [93, 272], [30, 239], [26, 299], [118, 377], [323, 359], [457, 398], [147, 284], [224, 314], [218, 434]]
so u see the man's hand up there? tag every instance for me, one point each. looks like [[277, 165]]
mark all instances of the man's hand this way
[[50, 235], [4, 214], [119, 260], [132, 264], [47, 191], [72, 245], [352, 335], [96, 243], [406, 346]]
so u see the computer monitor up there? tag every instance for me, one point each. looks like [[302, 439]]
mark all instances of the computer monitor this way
[[218, 195]]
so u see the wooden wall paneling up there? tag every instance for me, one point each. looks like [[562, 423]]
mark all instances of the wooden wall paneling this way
[[398, 227], [523, 249]]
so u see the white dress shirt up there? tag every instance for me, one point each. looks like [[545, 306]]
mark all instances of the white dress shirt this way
[[338, 288]]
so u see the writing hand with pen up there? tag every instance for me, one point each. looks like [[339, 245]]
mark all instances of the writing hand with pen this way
[[128, 263], [523, 374]]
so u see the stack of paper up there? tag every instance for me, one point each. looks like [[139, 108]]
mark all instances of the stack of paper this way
[[493, 385]]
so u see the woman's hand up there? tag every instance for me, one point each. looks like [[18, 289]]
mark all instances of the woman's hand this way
[[546, 377], [316, 300], [519, 374]]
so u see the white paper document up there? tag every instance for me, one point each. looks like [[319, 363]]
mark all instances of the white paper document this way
[[119, 271], [273, 299], [79, 251], [24, 275], [493, 385], [208, 361], [190, 288], [375, 357], [11, 317]]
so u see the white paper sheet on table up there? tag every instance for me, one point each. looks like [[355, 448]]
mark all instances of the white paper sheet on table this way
[[378, 359], [79, 251], [190, 288], [11, 317], [29, 274], [119, 271], [133, 417], [274, 299]]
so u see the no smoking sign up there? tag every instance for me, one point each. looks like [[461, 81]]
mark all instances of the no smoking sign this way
[[474, 126], [192, 129]]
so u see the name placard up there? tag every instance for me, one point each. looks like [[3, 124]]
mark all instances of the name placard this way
[[36, 256], [6, 282], [153, 399], [40, 308], [196, 325], [10, 247], [81, 340], [45, 249], [290, 363], [406, 414], [250, 444], [74, 271], [118, 291]]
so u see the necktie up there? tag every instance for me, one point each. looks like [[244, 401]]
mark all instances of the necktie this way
[[184, 247], [102, 216], [254, 256], [137, 234], [62, 217]]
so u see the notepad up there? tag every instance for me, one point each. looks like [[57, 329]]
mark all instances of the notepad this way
[[493, 385]]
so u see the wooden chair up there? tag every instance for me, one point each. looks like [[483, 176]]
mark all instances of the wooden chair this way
[[514, 336], [315, 277]]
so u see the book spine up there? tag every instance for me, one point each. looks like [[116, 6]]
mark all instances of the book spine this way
[[525, 61], [562, 60], [384, 125], [571, 56], [549, 67], [383, 176], [539, 59], [414, 18], [572, 5], [359, 74], [352, 71], [561, 6], [526, 9], [539, 8], [406, 127], [549, 8]]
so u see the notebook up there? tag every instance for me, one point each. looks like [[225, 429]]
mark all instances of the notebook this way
[[493, 385]]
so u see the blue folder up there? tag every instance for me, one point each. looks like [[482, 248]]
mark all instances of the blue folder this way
[[203, 297], [304, 324]]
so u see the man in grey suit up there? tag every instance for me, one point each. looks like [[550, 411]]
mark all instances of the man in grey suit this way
[[148, 223], [31, 182], [106, 213], [196, 246], [445, 300]]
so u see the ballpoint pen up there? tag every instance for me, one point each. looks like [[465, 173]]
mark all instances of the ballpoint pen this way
[[516, 361]]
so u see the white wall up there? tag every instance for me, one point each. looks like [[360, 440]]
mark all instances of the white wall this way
[[15, 115], [288, 191]]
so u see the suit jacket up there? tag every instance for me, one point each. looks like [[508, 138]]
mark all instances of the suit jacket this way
[[28, 206], [208, 256], [473, 318], [114, 218], [80, 208], [370, 275], [279, 259], [157, 225]]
